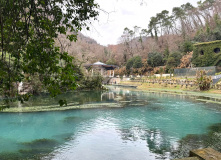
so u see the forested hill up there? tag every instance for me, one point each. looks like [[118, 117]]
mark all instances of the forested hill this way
[[85, 49], [172, 34], [165, 42]]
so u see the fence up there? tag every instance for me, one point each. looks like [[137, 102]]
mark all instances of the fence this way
[[183, 72]]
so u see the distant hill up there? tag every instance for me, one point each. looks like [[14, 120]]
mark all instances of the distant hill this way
[[86, 39], [85, 49]]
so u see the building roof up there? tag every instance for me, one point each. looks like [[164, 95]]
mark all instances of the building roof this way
[[100, 64]]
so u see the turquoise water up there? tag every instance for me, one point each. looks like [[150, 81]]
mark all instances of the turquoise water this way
[[148, 126]]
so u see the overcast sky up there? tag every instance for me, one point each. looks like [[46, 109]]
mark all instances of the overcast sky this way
[[127, 13]]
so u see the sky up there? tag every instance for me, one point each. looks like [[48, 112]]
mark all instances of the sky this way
[[118, 14]]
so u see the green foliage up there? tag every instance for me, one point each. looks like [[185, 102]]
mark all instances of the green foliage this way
[[218, 73], [155, 59], [203, 81], [135, 62], [166, 53], [173, 61], [94, 82], [106, 53], [111, 61], [161, 70], [161, 20], [62, 102], [28, 30], [187, 46], [129, 64], [177, 56], [153, 27], [204, 55], [35, 84], [210, 33]]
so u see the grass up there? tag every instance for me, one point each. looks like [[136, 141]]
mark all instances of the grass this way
[[213, 95], [156, 86], [147, 86]]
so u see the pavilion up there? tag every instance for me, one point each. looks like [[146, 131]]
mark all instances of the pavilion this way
[[101, 68]]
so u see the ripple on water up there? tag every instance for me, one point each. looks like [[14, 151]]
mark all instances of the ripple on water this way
[[149, 126]]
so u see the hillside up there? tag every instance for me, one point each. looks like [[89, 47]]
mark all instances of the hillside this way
[[167, 41], [85, 49]]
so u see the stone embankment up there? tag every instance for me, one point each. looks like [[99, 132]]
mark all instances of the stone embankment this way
[[166, 82], [183, 83]]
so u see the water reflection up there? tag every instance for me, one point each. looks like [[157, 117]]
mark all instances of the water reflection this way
[[157, 141], [167, 148], [146, 126], [108, 96]]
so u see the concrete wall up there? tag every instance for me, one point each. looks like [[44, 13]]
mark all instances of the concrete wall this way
[[163, 75], [183, 72], [117, 80]]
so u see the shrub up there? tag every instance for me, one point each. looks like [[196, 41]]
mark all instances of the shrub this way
[[137, 62], [217, 73], [111, 61], [155, 59], [187, 46], [173, 61], [94, 82], [129, 64], [134, 62], [207, 54], [203, 81]]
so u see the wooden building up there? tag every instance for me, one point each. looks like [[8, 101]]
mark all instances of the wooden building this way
[[100, 68]]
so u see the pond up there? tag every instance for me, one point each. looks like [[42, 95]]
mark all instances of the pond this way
[[139, 125]]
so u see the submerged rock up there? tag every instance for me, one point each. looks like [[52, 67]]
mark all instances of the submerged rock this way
[[193, 141], [41, 143], [9, 155], [73, 119]]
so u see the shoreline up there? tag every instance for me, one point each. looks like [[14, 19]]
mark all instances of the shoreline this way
[[205, 96], [55, 108], [148, 86], [156, 88]]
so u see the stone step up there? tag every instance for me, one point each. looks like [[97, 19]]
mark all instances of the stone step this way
[[206, 154], [189, 158], [203, 154]]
